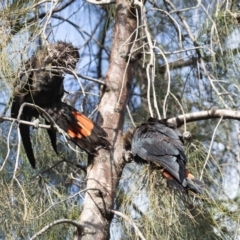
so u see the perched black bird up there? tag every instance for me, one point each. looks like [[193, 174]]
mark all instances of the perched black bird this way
[[41, 83], [157, 142]]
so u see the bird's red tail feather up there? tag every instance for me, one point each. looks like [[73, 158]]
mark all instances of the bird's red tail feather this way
[[86, 125]]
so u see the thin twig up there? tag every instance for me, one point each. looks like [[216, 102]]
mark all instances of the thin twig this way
[[210, 147], [8, 145], [60, 221], [150, 74], [131, 222], [2, 119], [129, 41], [181, 107], [91, 79], [51, 167], [130, 116], [62, 201], [25, 200], [18, 154], [169, 82]]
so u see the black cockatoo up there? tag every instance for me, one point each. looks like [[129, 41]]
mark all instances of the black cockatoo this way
[[41, 83], [157, 142]]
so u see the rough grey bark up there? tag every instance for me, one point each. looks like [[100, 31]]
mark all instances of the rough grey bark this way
[[104, 172]]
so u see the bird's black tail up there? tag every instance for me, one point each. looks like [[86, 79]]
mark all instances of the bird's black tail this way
[[26, 115], [193, 183], [25, 134], [189, 183]]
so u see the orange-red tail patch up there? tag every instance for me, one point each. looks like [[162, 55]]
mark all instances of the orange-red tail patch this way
[[86, 125], [188, 174], [167, 175], [73, 134]]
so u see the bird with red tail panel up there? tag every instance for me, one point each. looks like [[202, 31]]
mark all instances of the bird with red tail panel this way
[[157, 142], [40, 82], [81, 130]]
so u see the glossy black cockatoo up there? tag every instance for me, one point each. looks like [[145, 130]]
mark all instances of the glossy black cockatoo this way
[[157, 142], [41, 83]]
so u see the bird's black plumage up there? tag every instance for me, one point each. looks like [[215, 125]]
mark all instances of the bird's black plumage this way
[[41, 83], [162, 144]]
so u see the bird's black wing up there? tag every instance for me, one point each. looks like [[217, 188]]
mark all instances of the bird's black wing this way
[[155, 142], [165, 128]]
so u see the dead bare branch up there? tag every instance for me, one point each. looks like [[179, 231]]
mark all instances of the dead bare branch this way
[[203, 115]]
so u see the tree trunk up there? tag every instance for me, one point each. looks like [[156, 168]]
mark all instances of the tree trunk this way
[[104, 171]]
